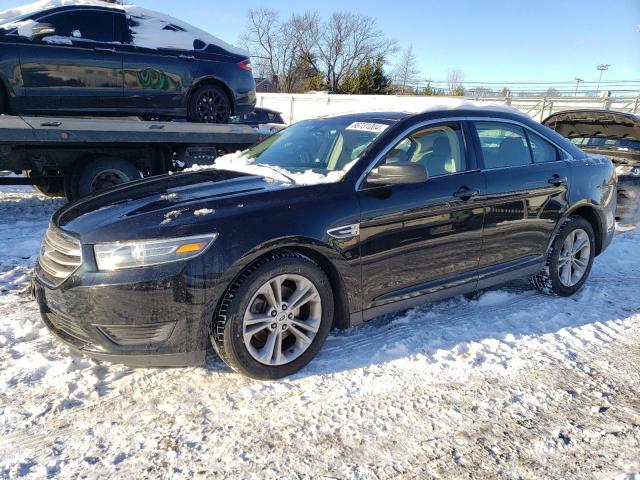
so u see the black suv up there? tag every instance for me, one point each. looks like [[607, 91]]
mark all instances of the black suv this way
[[328, 223], [104, 59]]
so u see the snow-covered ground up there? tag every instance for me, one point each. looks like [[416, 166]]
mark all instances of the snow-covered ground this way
[[511, 384]]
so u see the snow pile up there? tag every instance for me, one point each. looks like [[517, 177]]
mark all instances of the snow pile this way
[[150, 29], [240, 162], [511, 384]]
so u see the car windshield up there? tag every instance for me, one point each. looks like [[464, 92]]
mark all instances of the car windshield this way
[[311, 151]]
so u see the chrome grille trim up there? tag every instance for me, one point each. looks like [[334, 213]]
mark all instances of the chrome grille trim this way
[[60, 255]]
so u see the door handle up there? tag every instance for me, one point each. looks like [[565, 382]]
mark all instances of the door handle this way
[[104, 50], [466, 193], [189, 58], [557, 180]]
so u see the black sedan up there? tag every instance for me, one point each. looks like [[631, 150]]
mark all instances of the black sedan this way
[[328, 223], [96, 58]]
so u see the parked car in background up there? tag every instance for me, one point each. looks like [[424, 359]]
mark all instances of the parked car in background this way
[[610, 133], [328, 223], [264, 119], [259, 116], [87, 57]]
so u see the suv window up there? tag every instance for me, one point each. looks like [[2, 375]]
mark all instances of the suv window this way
[[503, 145], [440, 149], [83, 25], [541, 150]]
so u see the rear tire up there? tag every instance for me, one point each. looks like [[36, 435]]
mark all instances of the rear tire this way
[[569, 260], [262, 337], [99, 175], [209, 104]]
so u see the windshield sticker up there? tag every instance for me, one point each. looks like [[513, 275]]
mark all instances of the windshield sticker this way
[[368, 127]]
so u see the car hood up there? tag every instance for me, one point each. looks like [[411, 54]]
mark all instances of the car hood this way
[[165, 206], [599, 123]]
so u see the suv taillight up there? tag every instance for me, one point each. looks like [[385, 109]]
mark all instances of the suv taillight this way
[[245, 65]]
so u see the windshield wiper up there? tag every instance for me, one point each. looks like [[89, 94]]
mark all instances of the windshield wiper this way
[[291, 179]]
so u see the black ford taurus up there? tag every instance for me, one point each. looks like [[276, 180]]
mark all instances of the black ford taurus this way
[[328, 223], [97, 58]]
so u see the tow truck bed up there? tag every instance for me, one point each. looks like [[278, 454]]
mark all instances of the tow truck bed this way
[[62, 155]]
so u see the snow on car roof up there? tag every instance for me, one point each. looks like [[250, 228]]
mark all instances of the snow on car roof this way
[[150, 29]]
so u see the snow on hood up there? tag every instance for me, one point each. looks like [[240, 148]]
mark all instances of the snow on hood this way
[[150, 29], [240, 162]]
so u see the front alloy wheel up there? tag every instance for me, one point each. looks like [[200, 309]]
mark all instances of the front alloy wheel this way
[[282, 319], [275, 317]]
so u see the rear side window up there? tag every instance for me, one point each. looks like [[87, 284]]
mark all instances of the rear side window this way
[[541, 150], [503, 145], [90, 25]]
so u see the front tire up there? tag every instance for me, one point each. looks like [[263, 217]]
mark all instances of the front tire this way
[[569, 260], [209, 104], [275, 317]]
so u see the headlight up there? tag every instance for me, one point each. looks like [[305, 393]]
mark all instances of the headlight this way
[[121, 255], [628, 170]]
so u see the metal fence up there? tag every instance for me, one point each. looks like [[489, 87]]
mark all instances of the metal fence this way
[[295, 107]]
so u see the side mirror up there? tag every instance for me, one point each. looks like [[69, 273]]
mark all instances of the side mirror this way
[[401, 173], [41, 30]]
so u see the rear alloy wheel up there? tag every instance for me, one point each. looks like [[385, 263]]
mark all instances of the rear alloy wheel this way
[[275, 317], [209, 104], [570, 259]]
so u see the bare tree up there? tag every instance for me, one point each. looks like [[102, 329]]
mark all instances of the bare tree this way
[[274, 50], [455, 77], [338, 46], [406, 73]]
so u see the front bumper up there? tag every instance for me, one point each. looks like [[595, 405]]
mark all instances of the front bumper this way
[[628, 198], [155, 317]]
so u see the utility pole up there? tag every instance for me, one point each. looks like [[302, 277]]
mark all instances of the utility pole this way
[[603, 67], [578, 82]]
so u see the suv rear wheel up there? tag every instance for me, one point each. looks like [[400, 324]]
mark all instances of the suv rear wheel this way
[[570, 259], [275, 317]]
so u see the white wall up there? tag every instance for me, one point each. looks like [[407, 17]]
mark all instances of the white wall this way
[[302, 106]]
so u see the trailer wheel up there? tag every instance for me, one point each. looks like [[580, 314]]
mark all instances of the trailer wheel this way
[[98, 175]]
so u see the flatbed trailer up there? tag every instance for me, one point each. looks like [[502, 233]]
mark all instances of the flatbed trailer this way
[[73, 157]]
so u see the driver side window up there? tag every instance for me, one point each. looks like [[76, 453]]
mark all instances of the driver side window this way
[[440, 149]]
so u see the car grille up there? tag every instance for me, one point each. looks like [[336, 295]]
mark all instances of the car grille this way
[[137, 335], [67, 326], [60, 255]]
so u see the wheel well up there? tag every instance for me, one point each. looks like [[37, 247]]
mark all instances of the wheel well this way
[[219, 83], [590, 215], [341, 317]]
